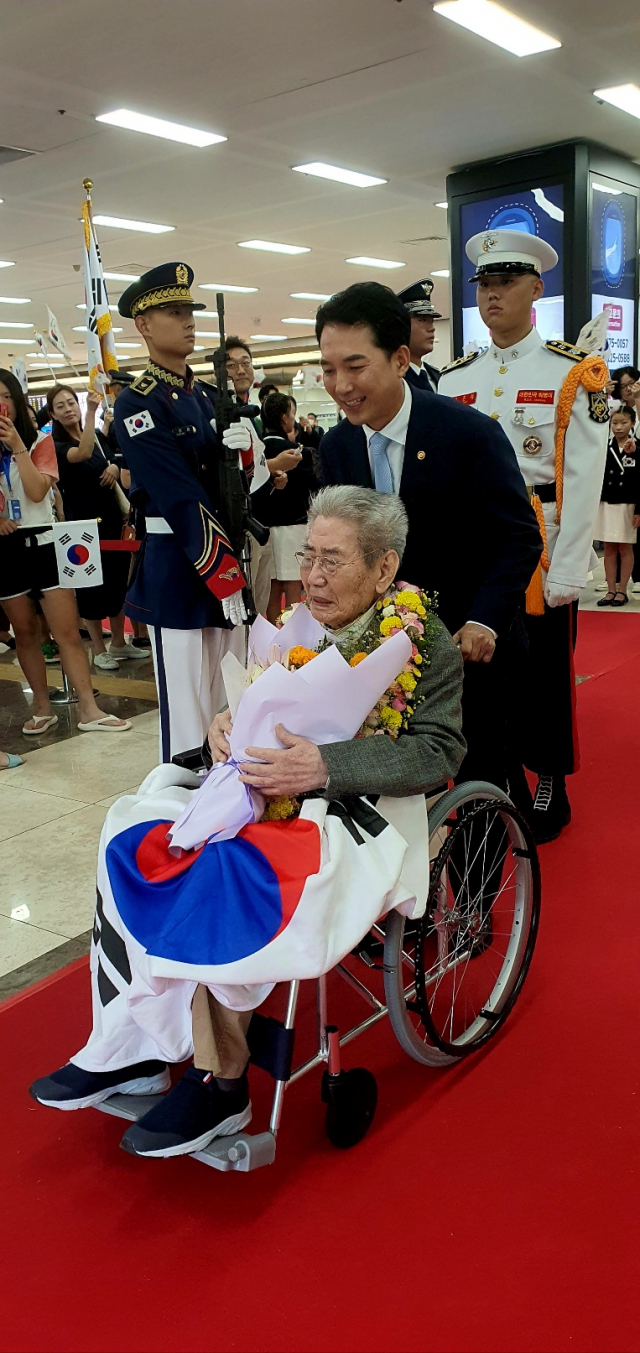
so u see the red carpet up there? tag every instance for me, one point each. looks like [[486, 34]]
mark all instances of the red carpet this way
[[491, 1208]]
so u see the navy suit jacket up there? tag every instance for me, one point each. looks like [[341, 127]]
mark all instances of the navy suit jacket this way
[[473, 536]]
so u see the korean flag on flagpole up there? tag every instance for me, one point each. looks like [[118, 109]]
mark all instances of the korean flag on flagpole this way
[[78, 553]]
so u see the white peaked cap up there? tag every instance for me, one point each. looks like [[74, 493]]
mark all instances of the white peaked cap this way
[[515, 249]]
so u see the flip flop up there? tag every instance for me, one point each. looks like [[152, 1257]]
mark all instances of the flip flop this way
[[108, 724], [45, 722], [12, 761]]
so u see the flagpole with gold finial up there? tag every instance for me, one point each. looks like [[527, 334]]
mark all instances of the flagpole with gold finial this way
[[90, 240]]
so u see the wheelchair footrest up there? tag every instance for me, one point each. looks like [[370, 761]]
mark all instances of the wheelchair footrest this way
[[240, 1151]]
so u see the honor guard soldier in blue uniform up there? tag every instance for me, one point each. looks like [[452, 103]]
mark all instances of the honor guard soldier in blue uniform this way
[[417, 300], [550, 401], [187, 584]]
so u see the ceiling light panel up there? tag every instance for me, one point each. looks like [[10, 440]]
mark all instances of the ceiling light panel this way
[[82, 329], [5, 264], [215, 286], [14, 324], [15, 300], [119, 223], [444, 205], [8, 342], [364, 262], [624, 97], [309, 296], [270, 247], [332, 171], [157, 126], [268, 338], [497, 25], [296, 319], [121, 276], [440, 272]]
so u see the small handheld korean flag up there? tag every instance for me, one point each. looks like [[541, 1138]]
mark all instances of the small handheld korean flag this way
[[20, 372], [78, 553]]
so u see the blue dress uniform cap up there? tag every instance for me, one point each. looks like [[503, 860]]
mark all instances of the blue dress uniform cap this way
[[509, 251], [417, 298], [168, 284], [122, 377]]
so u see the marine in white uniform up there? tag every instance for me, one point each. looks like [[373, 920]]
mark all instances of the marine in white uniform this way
[[535, 390]]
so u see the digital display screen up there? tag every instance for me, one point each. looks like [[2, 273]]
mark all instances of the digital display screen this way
[[614, 249], [535, 211]]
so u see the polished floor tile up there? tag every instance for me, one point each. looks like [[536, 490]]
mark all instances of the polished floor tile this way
[[23, 809], [90, 767], [51, 871], [20, 943]]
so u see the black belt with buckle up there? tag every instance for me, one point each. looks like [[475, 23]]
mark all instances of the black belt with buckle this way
[[545, 492]]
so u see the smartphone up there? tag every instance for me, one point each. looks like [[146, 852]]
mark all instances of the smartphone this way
[[4, 409]]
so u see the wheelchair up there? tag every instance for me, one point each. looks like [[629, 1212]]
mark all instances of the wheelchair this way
[[447, 982]]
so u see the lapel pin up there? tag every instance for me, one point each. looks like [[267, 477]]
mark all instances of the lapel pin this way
[[421, 455]]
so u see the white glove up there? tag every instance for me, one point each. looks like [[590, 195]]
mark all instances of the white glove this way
[[233, 608], [557, 595], [237, 437]]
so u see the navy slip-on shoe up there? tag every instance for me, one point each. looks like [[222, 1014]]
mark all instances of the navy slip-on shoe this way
[[73, 1088], [195, 1111]]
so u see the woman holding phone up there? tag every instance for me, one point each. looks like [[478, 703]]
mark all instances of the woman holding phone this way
[[28, 568]]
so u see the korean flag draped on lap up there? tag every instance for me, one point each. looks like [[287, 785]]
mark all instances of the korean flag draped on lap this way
[[101, 351], [78, 553]]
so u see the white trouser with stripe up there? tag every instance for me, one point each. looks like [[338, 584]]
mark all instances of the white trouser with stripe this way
[[189, 681]]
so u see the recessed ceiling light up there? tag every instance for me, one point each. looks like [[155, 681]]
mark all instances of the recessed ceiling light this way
[[82, 306], [53, 362], [268, 338], [332, 171], [82, 329], [602, 188], [497, 25], [5, 264], [206, 333], [625, 97], [122, 276], [215, 286], [272, 248], [297, 320], [309, 296], [199, 347], [8, 341], [364, 262], [440, 272], [125, 345], [14, 324], [15, 300], [119, 223], [157, 126], [444, 206]]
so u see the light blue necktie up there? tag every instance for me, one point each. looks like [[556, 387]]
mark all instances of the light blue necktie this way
[[382, 477]]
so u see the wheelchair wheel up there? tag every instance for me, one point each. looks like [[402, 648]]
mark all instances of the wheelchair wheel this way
[[452, 978]]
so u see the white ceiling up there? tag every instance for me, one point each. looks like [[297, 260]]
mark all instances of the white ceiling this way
[[384, 86]]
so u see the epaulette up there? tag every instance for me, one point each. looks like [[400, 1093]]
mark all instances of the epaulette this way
[[568, 350], [460, 361], [144, 383]]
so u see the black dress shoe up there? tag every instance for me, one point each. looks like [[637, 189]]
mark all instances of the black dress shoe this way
[[73, 1088], [194, 1112], [551, 808]]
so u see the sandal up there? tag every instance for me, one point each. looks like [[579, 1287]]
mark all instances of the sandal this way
[[12, 761], [109, 723], [43, 723], [609, 600], [623, 602]]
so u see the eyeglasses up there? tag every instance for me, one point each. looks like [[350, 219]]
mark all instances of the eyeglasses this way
[[327, 566], [244, 365]]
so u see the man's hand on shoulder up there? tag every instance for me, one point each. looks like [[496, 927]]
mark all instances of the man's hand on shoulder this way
[[476, 642]]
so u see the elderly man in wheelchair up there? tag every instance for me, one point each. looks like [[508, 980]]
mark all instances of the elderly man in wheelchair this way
[[327, 860]]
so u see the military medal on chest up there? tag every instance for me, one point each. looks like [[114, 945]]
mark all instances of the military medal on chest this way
[[531, 446]]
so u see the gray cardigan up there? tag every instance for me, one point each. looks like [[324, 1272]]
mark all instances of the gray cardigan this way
[[423, 758]]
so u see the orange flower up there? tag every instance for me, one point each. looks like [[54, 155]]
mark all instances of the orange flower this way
[[299, 656], [357, 658]]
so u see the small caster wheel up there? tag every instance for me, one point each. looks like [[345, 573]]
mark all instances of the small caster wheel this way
[[351, 1098]]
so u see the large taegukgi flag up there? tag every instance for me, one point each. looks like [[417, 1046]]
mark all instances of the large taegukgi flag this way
[[101, 353]]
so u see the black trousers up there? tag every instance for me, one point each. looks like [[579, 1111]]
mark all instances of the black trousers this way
[[545, 721], [486, 696]]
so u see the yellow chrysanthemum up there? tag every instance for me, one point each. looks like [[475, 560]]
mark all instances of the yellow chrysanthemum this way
[[299, 656], [280, 809], [409, 599], [391, 718], [417, 659], [407, 681], [391, 623], [356, 659]]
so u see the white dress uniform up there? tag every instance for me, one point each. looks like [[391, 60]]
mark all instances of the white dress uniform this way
[[520, 387]]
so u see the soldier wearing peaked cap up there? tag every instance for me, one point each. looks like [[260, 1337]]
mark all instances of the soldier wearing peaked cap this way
[[417, 300], [549, 399], [187, 584]]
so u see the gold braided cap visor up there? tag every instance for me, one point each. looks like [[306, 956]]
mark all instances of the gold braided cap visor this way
[[165, 296]]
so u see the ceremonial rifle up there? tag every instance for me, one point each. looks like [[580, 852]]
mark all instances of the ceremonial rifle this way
[[234, 489]]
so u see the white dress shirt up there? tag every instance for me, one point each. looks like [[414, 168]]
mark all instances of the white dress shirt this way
[[396, 431]]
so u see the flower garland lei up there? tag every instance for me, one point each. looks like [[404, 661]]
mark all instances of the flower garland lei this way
[[403, 607]]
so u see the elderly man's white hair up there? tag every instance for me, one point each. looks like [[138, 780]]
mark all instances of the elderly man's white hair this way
[[380, 519]]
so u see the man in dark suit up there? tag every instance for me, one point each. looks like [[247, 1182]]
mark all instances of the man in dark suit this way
[[473, 537], [417, 301]]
